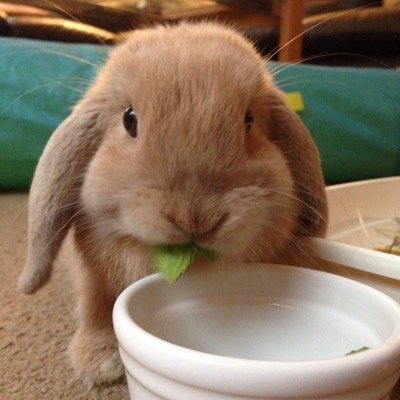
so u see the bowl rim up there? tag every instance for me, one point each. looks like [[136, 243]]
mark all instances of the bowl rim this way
[[363, 182], [159, 355]]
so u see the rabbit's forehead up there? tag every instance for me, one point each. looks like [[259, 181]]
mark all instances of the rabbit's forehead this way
[[191, 70]]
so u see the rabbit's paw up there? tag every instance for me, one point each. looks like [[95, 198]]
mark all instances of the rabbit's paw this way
[[94, 356]]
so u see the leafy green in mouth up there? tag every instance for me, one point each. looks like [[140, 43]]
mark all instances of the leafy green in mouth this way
[[173, 260]]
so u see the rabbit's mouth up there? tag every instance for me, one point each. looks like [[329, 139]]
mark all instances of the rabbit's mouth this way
[[172, 261]]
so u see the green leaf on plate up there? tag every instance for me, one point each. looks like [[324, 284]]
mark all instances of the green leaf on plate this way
[[357, 351]]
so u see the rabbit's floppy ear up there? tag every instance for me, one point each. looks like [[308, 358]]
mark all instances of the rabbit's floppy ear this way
[[55, 190], [296, 144]]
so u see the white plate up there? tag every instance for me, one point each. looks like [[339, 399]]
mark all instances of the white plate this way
[[363, 215], [366, 213]]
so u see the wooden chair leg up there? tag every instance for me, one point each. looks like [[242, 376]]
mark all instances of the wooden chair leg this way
[[291, 29]]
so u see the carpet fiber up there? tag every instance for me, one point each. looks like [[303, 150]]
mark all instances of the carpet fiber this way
[[35, 330]]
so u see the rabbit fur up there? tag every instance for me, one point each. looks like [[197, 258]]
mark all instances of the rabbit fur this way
[[194, 172]]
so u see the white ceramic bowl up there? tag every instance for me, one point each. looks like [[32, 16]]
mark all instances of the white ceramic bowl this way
[[257, 331]]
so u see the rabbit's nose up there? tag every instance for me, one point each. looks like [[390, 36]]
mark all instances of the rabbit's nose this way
[[201, 230], [198, 227]]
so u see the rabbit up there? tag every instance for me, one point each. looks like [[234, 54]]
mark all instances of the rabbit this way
[[182, 137]]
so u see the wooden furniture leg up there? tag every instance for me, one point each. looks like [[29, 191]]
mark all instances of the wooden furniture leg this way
[[290, 31]]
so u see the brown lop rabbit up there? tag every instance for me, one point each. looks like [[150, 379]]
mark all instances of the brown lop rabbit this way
[[183, 137]]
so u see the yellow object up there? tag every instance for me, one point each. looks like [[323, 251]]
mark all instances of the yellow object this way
[[294, 100]]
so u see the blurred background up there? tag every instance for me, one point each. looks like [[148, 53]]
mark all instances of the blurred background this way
[[336, 32]]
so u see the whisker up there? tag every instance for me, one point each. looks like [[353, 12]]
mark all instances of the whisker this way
[[5, 109], [41, 49], [65, 85], [71, 16], [338, 15], [72, 57], [276, 69], [302, 203]]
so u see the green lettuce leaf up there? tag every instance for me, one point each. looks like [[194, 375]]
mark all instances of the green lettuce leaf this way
[[172, 261], [357, 351]]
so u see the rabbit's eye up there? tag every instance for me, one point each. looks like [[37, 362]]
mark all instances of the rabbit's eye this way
[[129, 120], [248, 120]]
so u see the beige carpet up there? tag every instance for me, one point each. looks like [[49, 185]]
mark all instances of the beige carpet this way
[[35, 330]]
